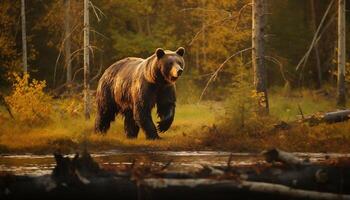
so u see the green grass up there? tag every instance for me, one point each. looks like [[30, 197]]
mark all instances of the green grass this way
[[286, 107]]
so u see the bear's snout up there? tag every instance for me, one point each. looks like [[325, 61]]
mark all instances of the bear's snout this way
[[176, 71], [179, 72]]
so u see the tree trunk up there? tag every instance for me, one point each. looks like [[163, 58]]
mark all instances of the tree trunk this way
[[148, 23], [86, 60], [317, 56], [24, 37], [258, 53], [341, 101], [67, 48], [204, 42]]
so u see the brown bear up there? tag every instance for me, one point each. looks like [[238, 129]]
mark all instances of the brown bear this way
[[133, 86]]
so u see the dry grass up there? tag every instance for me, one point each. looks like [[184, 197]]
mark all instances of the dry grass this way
[[196, 127], [70, 133]]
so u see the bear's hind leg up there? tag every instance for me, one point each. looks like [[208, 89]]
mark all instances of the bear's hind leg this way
[[130, 127], [105, 115]]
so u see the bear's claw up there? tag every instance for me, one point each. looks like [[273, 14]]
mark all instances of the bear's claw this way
[[162, 126]]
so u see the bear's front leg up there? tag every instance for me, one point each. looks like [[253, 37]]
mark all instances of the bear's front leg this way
[[166, 99], [166, 114], [130, 127], [143, 117]]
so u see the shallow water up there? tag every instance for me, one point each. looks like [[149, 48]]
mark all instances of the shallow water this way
[[35, 165]]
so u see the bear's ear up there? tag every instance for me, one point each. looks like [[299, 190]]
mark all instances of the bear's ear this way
[[160, 53], [180, 51]]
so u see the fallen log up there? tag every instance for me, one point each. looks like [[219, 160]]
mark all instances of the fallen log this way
[[81, 177], [277, 155], [329, 117], [337, 116], [225, 189]]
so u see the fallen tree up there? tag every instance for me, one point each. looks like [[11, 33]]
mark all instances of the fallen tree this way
[[329, 117], [283, 176]]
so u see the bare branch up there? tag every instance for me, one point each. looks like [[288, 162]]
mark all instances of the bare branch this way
[[277, 62], [76, 72], [204, 9], [93, 8], [98, 33], [60, 52], [218, 70], [240, 14], [97, 8], [97, 75], [306, 56], [220, 22], [209, 25]]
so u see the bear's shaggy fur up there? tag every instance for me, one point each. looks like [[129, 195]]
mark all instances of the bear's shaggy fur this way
[[133, 86]]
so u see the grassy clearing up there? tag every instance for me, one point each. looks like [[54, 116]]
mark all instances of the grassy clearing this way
[[70, 133], [196, 127], [285, 107]]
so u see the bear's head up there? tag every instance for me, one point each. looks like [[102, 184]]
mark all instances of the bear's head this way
[[171, 64]]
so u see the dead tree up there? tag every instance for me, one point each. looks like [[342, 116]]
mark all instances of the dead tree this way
[[67, 46], [258, 52], [24, 37], [317, 56], [341, 99], [86, 60]]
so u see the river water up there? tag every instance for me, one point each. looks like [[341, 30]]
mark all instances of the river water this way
[[36, 165]]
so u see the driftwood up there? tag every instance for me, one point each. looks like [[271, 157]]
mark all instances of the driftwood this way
[[288, 177]]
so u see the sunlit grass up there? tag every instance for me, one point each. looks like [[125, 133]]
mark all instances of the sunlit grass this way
[[286, 108], [192, 130], [69, 133]]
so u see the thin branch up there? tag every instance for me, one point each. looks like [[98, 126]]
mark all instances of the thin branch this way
[[76, 72], [221, 21], [240, 14], [97, 75], [7, 106], [301, 112], [97, 8], [60, 52], [209, 25], [204, 9], [93, 8], [98, 33], [277, 62], [326, 27], [306, 56], [218, 70]]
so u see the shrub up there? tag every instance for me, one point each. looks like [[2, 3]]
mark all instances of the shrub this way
[[242, 109], [72, 107], [28, 101]]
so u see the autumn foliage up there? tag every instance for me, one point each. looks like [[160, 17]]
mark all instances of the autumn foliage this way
[[28, 101]]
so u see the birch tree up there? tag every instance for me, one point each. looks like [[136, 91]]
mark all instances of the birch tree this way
[[258, 53], [86, 60], [341, 99], [24, 37]]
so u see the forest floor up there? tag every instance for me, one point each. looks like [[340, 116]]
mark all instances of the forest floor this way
[[196, 127]]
